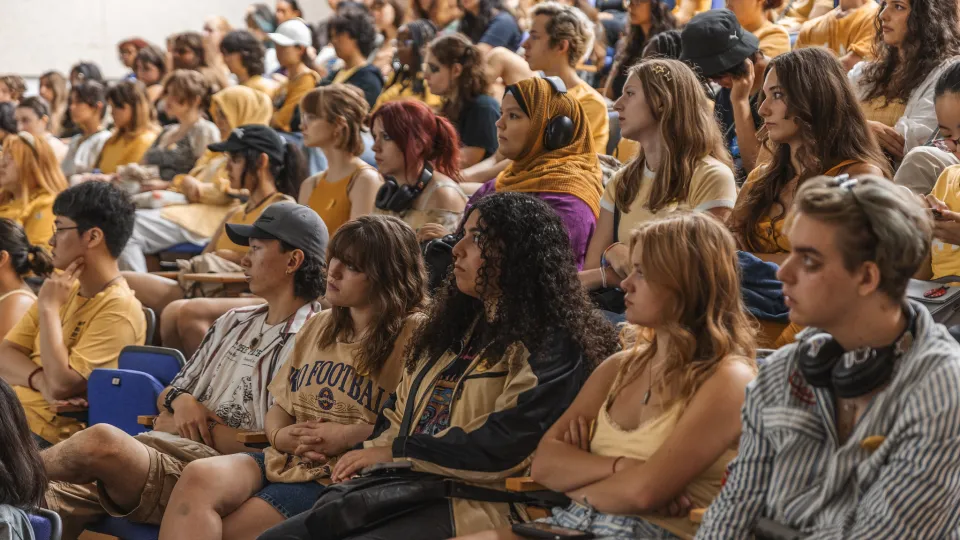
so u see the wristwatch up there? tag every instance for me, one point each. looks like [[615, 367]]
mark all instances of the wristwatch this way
[[173, 394]]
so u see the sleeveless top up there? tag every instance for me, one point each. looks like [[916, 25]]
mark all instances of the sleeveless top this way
[[418, 216], [17, 291], [331, 200]]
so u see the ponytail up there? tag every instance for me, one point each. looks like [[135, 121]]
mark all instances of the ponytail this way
[[38, 261], [445, 152], [24, 257], [291, 173]]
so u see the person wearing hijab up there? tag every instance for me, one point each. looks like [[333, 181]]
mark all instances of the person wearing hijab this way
[[546, 134], [206, 187]]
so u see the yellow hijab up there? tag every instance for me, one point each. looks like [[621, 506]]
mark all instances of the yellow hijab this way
[[573, 169], [240, 105]]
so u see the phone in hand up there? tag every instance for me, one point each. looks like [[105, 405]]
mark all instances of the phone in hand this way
[[386, 467], [538, 529]]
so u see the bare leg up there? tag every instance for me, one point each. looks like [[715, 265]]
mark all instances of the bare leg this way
[[155, 292], [169, 336], [209, 489], [251, 520], [197, 315]]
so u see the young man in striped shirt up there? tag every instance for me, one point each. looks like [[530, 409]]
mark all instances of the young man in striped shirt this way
[[863, 444]]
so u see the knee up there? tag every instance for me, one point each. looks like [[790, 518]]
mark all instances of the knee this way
[[98, 446], [199, 477]]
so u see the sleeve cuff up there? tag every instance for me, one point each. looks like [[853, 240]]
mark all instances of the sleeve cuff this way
[[710, 205]]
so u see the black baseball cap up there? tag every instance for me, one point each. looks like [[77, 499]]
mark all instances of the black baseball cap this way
[[714, 42], [253, 137], [295, 224]]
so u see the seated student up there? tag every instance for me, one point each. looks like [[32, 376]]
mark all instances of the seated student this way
[[801, 11], [848, 30], [221, 391], [488, 24], [562, 168], [22, 479], [18, 259], [444, 14], [8, 120], [270, 171], [658, 423], [388, 17], [683, 164], [88, 105], [408, 81], [83, 316], [12, 88], [288, 9], [151, 70], [455, 70], [134, 128], [206, 187], [127, 53], [739, 70], [292, 39], [418, 152], [53, 88], [375, 286], [752, 16], [684, 10], [29, 182], [85, 71], [896, 90], [190, 54], [333, 120], [871, 363], [559, 37], [514, 322], [353, 36], [33, 116], [261, 22], [215, 27], [243, 55], [647, 19], [177, 148]]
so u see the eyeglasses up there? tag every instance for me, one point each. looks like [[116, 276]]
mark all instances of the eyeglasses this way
[[947, 145], [58, 230]]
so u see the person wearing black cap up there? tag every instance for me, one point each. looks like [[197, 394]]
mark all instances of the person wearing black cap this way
[[222, 390], [720, 50], [264, 170]]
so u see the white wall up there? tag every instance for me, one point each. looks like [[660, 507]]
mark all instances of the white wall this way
[[40, 35]]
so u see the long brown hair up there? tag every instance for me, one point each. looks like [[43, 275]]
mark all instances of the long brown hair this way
[[386, 250], [58, 106], [457, 49], [133, 94], [37, 164], [687, 128], [832, 127], [693, 258]]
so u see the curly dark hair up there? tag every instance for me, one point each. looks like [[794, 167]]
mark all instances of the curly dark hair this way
[[473, 81], [525, 245], [933, 36], [630, 47], [358, 25], [310, 280], [250, 48]]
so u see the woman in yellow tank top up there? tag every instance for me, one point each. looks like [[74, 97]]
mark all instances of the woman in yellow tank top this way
[[656, 425], [333, 121]]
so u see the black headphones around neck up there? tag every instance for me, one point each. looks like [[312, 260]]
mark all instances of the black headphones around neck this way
[[850, 374], [559, 131], [395, 197]]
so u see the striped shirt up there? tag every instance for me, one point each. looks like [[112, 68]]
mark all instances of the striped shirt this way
[[792, 469], [230, 372]]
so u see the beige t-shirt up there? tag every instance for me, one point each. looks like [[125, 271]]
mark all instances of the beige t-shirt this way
[[595, 108], [317, 384], [712, 186]]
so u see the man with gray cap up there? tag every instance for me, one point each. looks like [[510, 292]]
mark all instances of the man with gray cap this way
[[721, 51], [221, 391]]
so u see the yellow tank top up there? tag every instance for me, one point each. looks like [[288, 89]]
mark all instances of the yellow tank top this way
[[240, 217], [331, 200]]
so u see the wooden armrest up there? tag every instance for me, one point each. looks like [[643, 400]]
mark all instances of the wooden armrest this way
[[225, 277], [169, 274], [67, 408], [252, 437], [696, 515], [146, 420], [524, 484]]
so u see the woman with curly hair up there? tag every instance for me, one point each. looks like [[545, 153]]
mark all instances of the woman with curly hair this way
[[351, 354], [456, 71], [647, 18], [489, 24], [504, 350], [408, 80], [916, 41]]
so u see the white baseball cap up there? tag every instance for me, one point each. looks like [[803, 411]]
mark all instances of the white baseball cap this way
[[292, 32]]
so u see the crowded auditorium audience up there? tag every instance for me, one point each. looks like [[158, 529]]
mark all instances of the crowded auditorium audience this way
[[489, 269]]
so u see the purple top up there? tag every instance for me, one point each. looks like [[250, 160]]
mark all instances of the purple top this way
[[576, 215]]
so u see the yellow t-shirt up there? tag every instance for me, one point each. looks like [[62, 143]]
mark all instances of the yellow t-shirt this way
[[315, 384], [712, 186], [774, 39], [123, 150], [595, 108], [944, 257], [800, 10], [240, 217], [289, 96], [95, 330], [267, 86], [879, 109], [35, 216], [405, 90], [841, 32], [702, 5]]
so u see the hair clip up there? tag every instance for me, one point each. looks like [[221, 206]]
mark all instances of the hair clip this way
[[663, 72]]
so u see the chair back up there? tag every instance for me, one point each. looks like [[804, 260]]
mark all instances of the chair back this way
[[151, 318], [161, 362], [614, 139], [118, 396], [46, 524]]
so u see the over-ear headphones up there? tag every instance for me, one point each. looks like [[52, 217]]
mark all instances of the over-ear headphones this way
[[559, 131], [825, 364], [395, 197]]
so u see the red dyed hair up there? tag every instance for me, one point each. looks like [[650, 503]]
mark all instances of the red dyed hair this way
[[136, 42], [424, 136]]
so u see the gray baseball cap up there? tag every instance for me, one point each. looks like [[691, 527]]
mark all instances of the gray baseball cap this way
[[289, 222]]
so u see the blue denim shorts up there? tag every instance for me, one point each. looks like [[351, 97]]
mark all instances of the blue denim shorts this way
[[288, 499], [605, 526]]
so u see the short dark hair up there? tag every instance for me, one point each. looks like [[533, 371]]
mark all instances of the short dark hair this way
[[91, 93], [250, 48], [358, 25], [153, 56], [87, 71], [23, 480], [8, 121], [101, 205], [37, 104], [310, 280]]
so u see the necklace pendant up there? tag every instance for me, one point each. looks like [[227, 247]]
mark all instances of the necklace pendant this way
[[255, 342], [646, 397]]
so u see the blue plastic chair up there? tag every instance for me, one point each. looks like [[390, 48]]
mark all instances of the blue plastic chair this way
[[125, 529], [189, 249], [46, 524], [161, 362], [118, 396]]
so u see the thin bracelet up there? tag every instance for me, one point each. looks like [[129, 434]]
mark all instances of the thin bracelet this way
[[30, 378], [273, 435], [603, 258], [603, 276], [613, 469]]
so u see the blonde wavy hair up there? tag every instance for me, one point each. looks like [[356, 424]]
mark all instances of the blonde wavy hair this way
[[36, 163], [688, 129], [693, 258]]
